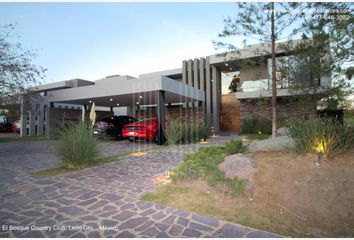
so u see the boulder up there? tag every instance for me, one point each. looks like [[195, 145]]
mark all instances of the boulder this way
[[237, 165], [283, 131], [281, 143]]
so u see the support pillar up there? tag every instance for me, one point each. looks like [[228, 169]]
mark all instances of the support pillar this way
[[40, 127], [208, 92], [216, 87], [196, 77], [191, 83], [23, 119], [184, 78], [160, 100], [202, 84], [32, 121]]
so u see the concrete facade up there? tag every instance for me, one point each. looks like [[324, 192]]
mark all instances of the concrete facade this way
[[196, 86]]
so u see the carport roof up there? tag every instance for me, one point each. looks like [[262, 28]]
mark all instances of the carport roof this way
[[126, 91]]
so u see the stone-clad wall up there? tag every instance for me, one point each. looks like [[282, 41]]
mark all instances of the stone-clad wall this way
[[184, 114], [286, 107], [56, 118]]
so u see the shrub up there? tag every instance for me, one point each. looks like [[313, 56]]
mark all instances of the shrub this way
[[181, 133], [321, 135], [256, 125], [233, 147], [77, 145], [174, 132], [204, 164]]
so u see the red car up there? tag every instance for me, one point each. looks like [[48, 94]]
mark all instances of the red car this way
[[143, 129]]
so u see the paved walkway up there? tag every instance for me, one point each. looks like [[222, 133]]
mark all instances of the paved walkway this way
[[101, 201]]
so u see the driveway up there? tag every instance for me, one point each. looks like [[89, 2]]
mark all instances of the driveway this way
[[101, 201]]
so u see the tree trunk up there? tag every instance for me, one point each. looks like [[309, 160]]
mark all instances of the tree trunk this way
[[274, 80]]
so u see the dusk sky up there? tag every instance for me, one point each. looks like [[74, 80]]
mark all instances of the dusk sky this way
[[93, 40]]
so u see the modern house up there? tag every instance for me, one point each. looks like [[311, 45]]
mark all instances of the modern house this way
[[221, 90]]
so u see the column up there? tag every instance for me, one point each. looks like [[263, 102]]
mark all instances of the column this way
[[190, 82], [23, 118], [160, 100], [202, 83], [32, 120], [208, 92], [196, 79], [40, 125], [216, 85], [184, 77]]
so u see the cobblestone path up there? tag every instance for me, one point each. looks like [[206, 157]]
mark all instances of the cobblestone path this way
[[101, 201]]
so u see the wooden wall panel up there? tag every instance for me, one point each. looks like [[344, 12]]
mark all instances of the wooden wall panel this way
[[230, 113]]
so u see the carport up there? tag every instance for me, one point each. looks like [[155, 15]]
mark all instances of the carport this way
[[125, 91]]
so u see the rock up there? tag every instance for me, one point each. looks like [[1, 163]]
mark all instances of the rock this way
[[281, 143], [283, 131], [237, 165]]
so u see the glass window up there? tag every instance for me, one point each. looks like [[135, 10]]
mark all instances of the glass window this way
[[230, 82]]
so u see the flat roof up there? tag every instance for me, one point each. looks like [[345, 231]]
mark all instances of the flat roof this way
[[126, 92]]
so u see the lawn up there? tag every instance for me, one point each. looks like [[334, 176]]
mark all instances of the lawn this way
[[62, 169], [289, 196], [18, 138]]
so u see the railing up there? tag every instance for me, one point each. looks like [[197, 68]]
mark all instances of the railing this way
[[261, 84]]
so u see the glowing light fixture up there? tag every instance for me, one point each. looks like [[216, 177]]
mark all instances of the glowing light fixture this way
[[111, 99], [162, 178], [90, 101], [138, 153], [117, 104], [140, 97]]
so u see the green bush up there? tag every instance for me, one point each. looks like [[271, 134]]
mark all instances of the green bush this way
[[328, 135], [233, 147], [77, 145], [184, 133], [204, 164], [174, 132], [256, 125]]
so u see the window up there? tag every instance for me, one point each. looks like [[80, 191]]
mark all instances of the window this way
[[230, 82]]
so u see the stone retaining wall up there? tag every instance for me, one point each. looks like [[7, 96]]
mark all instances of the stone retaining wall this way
[[286, 107]]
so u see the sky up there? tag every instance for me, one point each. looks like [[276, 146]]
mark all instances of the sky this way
[[94, 40]]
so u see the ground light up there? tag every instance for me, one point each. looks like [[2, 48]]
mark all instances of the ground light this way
[[320, 148], [213, 132], [163, 178], [138, 153], [202, 141], [245, 140]]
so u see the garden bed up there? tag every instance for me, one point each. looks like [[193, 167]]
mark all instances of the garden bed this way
[[290, 196]]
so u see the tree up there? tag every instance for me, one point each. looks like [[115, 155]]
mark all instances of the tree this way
[[266, 23], [17, 70], [327, 51]]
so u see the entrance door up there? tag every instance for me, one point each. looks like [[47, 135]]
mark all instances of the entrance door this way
[[230, 113]]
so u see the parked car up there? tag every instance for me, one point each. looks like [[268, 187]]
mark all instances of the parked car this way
[[112, 126], [16, 126], [143, 129], [5, 126]]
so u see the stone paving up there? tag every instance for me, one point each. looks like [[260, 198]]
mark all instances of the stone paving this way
[[101, 201]]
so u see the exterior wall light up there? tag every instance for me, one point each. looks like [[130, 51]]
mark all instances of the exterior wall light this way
[[90, 101], [140, 97], [117, 104], [111, 99]]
